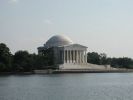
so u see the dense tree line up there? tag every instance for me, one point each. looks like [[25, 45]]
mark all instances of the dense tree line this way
[[22, 61], [102, 59]]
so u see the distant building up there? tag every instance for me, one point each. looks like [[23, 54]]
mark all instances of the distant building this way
[[65, 51]]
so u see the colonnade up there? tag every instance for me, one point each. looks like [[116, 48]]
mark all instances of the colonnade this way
[[74, 56]]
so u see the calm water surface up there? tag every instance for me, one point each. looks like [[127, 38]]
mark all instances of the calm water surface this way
[[90, 86]]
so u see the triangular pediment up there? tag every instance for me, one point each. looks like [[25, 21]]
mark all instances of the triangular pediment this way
[[76, 45]]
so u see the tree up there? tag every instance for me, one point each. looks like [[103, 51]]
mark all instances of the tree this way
[[103, 59], [124, 62], [93, 57], [5, 58], [22, 61]]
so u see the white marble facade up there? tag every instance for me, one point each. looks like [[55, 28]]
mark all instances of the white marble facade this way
[[74, 53], [65, 51]]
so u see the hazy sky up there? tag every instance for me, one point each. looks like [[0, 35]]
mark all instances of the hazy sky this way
[[101, 25]]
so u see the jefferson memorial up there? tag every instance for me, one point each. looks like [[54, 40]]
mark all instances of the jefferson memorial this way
[[67, 54]]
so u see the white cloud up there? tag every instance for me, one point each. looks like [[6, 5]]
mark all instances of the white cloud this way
[[13, 1], [47, 21]]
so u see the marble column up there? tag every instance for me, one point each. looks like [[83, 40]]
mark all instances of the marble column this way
[[76, 56], [85, 57], [80, 56], [73, 56], [70, 56], [67, 55], [64, 56]]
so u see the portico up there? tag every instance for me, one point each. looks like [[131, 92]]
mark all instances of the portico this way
[[74, 53]]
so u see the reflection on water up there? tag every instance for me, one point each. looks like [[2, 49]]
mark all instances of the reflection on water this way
[[90, 86]]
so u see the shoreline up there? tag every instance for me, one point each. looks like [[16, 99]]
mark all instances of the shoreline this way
[[68, 71], [93, 71]]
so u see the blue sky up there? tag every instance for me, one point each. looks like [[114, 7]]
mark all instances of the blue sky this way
[[101, 25]]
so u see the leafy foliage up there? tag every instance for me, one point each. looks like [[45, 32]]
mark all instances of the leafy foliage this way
[[122, 62], [102, 59], [22, 61], [5, 58], [93, 58]]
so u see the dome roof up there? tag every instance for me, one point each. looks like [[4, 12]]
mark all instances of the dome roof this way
[[58, 40]]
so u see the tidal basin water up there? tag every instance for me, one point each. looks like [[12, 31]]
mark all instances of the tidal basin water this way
[[89, 86]]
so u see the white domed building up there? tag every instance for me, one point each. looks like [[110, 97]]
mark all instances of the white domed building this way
[[66, 55], [65, 52]]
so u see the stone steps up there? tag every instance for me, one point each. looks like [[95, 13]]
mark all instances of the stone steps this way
[[83, 66]]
